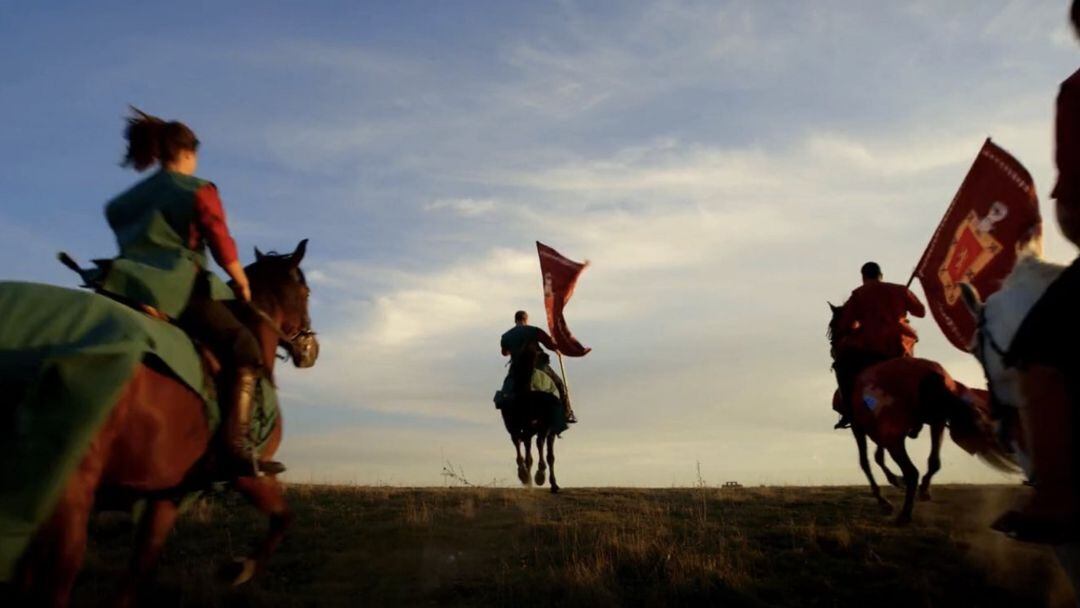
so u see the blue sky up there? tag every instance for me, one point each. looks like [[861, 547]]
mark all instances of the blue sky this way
[[726, 167]]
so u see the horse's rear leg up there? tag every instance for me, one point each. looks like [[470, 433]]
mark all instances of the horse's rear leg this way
[[266, 495], [551, 462], [864, 462], [933, 464], [541, 466], [879, 458], [58, 550], [154, 528], [911, 479]]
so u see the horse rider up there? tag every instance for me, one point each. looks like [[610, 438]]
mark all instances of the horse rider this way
[[875, 323], [1045, 351], [164, 224], [519, 336]]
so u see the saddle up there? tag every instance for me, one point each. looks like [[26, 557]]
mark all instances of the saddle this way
[[92, 279]]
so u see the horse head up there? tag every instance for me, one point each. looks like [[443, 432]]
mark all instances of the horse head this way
[[280, 290], [834, 332]]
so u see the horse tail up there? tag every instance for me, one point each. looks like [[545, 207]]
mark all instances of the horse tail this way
[[970, 425]]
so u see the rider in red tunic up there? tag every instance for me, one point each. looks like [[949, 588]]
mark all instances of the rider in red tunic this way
[[874, 320]]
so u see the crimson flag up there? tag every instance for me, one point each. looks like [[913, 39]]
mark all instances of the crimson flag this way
[[993, 216], [560, 276]]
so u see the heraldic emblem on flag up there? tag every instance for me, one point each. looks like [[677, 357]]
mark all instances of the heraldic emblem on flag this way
[[973, 248], [993, 216]]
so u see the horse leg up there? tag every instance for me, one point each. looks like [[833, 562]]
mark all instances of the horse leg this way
[[523, 475], [528, 460], [911, 479], [541, 466], [266, 495], [933, 464], [551, 462], [879, 458], [154, 528], [864, 462]]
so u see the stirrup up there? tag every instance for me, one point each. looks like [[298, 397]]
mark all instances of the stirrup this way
[[250, 467]]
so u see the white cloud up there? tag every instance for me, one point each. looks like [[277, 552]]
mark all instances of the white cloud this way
[[466, 207]]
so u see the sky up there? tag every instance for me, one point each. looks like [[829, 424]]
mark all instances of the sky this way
[[726, 167]]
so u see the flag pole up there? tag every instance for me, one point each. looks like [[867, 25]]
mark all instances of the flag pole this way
[[562, 372]]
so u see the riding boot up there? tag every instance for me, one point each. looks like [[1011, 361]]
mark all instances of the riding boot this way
[[1050, 514], [238, 427]]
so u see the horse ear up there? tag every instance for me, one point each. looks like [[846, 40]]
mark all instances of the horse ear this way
[[971, 298], [298, 255], [258, 254], [833, 307]]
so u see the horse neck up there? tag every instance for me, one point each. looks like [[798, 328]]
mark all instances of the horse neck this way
[[268, 342]]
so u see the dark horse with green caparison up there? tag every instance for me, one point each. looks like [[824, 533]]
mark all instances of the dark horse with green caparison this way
[[153, 444], [531, 414]]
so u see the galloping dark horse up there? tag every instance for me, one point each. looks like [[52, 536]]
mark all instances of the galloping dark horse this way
[[892, 400], [531, 413], [153, 443]]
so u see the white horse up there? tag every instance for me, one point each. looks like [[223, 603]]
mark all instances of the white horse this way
[[999, 320]]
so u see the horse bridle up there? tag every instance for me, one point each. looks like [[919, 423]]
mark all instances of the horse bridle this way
[[290, 340]]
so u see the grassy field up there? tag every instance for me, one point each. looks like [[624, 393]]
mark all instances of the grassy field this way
[[375, 546]]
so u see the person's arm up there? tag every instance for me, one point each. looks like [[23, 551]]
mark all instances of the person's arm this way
[[913, 304], [849, 317], [543, 338], [210, 219]]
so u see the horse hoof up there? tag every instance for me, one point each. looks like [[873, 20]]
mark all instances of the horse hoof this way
[[554, 489], [540, 478], [241, 570], [523, 476], [896, 482], [925, 496]]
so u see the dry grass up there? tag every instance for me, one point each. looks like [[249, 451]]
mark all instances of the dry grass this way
[[469, 546]]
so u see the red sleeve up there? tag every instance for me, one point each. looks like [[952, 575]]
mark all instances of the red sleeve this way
[[210, 222], [852, 311], [914, 305]]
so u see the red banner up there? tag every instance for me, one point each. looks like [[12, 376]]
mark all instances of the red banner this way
[[560, 276], [993, 216]]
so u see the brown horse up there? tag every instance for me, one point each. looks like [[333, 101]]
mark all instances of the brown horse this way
[[153, 444], [531, 414], [892, 400]]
